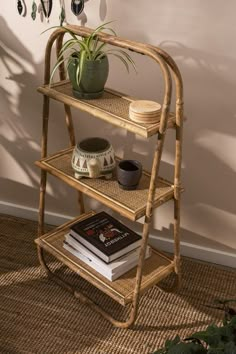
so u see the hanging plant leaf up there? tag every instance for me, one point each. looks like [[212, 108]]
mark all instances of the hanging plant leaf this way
[[19, 6], [40, 12], [50, 8], [47, 7], [62, 16], [43, 8], [77, 6], [34, 11]]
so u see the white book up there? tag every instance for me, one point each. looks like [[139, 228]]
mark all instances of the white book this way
[[106, 273], [103, 269], [112, 267]]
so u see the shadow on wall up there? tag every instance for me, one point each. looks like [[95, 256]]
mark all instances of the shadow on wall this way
[[209, 135], [103, 10], [20, 122], [211, 119], [17, 140], [209, 138]]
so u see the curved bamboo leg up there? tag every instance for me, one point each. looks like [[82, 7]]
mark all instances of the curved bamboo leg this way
[[83, 298], [177, 191], [177, 195], [152, 188], [177, 242], [43, 180], [42, 260], [148, 216], [42, 202]]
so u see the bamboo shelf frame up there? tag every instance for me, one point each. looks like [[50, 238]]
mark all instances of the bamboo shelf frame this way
[[158, 191]]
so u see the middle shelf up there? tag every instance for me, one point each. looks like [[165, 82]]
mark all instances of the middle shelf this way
[[131, 204]]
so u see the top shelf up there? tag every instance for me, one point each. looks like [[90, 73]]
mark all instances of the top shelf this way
[[112, 107]]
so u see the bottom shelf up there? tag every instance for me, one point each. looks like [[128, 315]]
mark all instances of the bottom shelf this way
[[156, 268]]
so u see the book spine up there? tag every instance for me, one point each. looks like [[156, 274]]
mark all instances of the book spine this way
[[100, 254], [87, 261], [92, 248], [107, 274], [105, 236], [113, 266]]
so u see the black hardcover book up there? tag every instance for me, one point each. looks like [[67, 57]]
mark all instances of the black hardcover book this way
[[105, 236]]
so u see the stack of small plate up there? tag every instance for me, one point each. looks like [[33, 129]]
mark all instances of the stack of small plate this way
[[143, 111]]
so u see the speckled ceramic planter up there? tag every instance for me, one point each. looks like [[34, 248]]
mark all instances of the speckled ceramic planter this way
[[93, 158], [93, 79]]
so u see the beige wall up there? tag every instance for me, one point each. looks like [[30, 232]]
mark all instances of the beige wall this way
[[200, 35]]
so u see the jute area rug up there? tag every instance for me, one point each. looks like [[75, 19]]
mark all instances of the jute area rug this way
[[37, 316]]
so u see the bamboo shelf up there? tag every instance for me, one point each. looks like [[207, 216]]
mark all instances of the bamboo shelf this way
[[112, 107], [153, 191], [157, 267], [131, 204]]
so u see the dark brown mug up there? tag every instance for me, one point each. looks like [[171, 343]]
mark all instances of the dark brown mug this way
[[128, 174]]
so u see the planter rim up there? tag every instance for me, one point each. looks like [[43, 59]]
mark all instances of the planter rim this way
[[93, 140], [90, 60]]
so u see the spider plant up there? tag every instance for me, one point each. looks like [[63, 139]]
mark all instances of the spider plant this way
[[80, 50]]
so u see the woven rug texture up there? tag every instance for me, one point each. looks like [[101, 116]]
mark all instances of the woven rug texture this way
[[37, 316]]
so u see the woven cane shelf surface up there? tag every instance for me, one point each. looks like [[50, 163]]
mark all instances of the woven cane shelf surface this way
[[131, 204], [112, 107], [157, 267]]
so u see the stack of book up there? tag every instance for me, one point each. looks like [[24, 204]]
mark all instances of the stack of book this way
[[105, 244]]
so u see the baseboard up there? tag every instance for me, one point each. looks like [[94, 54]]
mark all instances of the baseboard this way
[[187, 249], [32, 213], [201, 253]]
